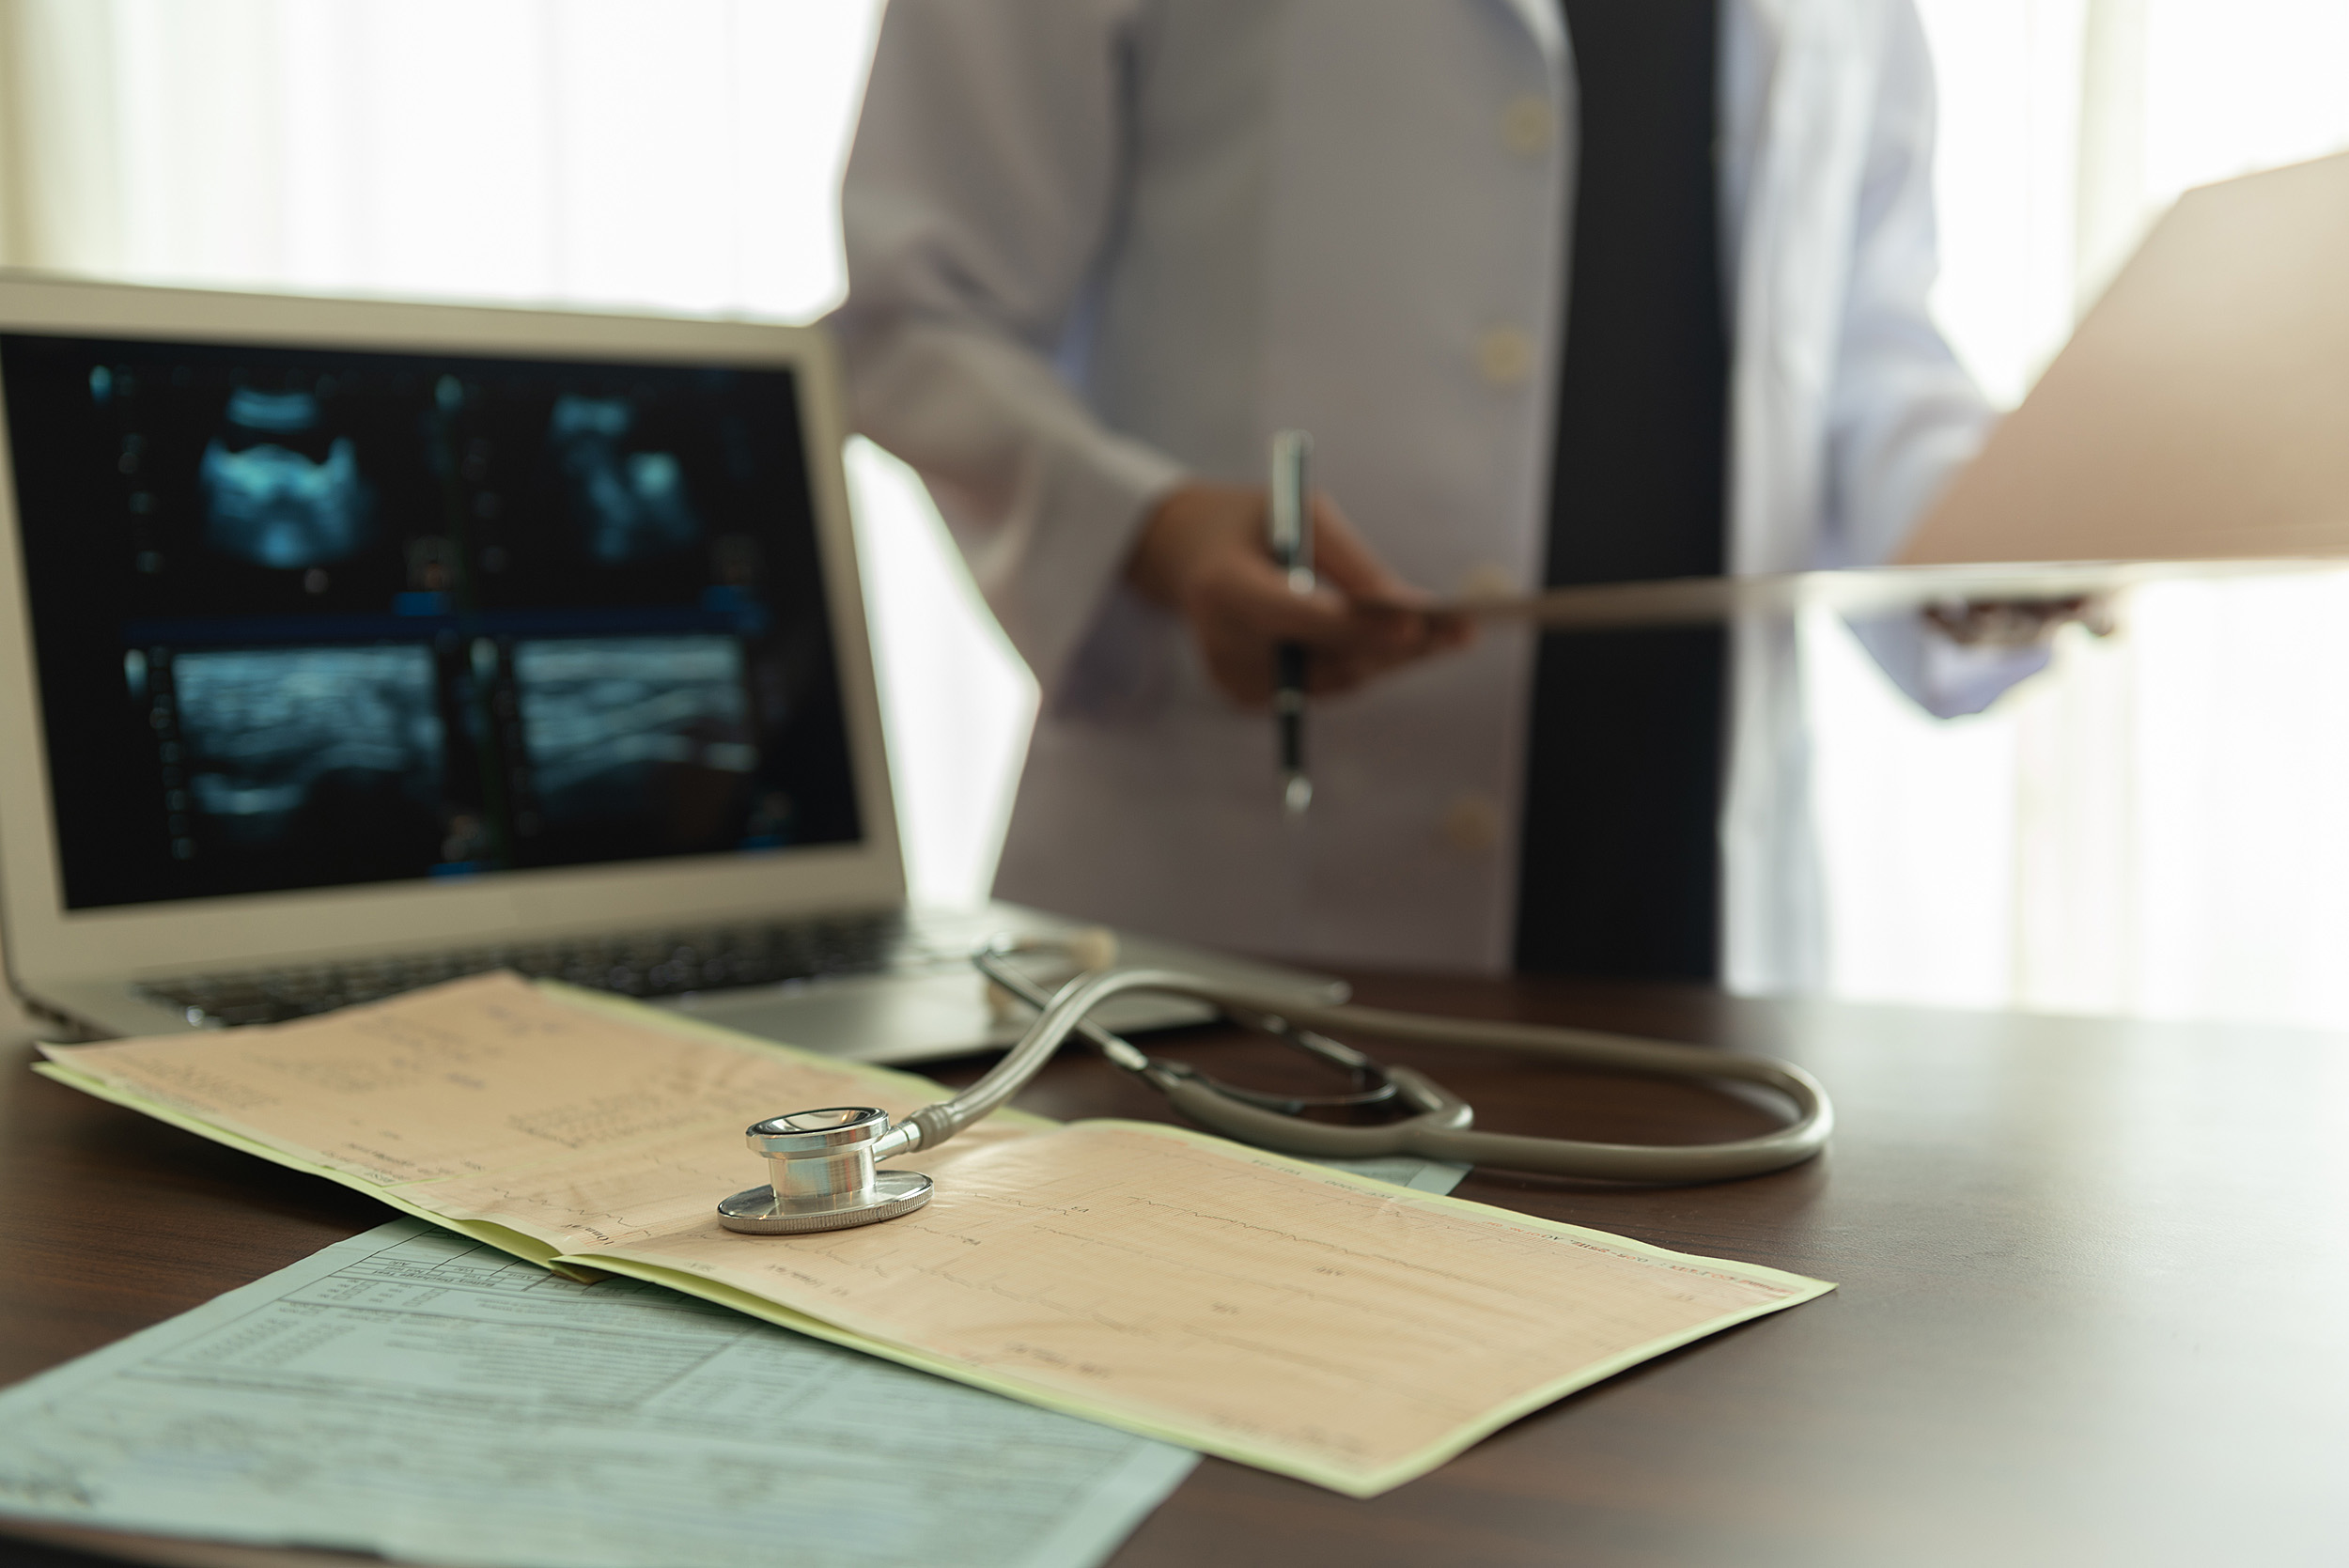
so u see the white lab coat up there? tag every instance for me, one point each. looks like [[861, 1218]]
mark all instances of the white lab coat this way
[[1095, 246]]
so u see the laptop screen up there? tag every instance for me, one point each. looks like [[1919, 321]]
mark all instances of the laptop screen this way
[[308, 618]]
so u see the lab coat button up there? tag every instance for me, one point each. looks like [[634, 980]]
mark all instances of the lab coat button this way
[[1525, 125], [1504, 356], [1471, 824]]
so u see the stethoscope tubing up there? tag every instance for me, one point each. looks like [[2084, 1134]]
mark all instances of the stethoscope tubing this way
[[1441, 1127]]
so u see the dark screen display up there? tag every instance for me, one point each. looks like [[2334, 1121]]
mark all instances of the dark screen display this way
[[306, 618]]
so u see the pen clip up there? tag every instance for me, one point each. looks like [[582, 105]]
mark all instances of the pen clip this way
[[1290, 528]]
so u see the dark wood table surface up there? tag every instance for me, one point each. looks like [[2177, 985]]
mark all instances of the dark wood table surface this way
[[2094, 1303]]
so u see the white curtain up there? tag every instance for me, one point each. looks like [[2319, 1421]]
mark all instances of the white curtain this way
[[2156, 827], [683, 155]]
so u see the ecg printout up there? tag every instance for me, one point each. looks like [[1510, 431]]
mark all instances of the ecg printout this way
[[1319, 1324], [416, 1394]]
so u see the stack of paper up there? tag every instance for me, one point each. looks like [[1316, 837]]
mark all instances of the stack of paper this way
[[1301, 1319]]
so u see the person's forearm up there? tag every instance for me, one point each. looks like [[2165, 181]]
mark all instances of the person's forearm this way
[[978, 198], [1044, 501]]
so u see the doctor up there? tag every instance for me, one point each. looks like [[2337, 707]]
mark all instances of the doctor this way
[[1099, 249]]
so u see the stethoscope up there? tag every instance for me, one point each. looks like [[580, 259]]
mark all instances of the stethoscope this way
[[822, 1162]]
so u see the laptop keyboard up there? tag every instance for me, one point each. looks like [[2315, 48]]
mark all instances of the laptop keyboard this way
[[649, 964]]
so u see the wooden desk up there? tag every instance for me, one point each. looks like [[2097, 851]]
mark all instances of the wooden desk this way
[[2094, 1280]]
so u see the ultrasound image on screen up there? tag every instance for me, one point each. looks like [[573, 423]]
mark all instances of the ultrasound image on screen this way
[[278, 509], [286, 743], [311, 617], [617, 729], [279, 505], [630, 502]]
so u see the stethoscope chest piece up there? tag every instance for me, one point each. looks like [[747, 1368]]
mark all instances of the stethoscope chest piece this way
[[823, 1176]]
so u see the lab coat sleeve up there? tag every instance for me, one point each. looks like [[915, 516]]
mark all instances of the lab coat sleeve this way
[[982, 188], [1904, 415]]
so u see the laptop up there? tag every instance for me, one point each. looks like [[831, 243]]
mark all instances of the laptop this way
[[347, 646]]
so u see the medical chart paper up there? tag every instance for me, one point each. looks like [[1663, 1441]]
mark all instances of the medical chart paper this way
[[419, 1395], [1420, 1175], [1309, 1321]]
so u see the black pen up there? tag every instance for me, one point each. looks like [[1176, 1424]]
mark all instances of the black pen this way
[[1291, 534]]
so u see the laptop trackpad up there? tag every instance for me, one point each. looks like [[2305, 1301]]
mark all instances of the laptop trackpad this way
[[906, 1017]]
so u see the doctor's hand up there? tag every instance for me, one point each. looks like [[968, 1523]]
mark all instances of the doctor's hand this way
[[2020, 623], [1202, 555]]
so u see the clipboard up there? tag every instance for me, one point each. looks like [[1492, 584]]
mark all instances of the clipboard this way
[[2196, 425]]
